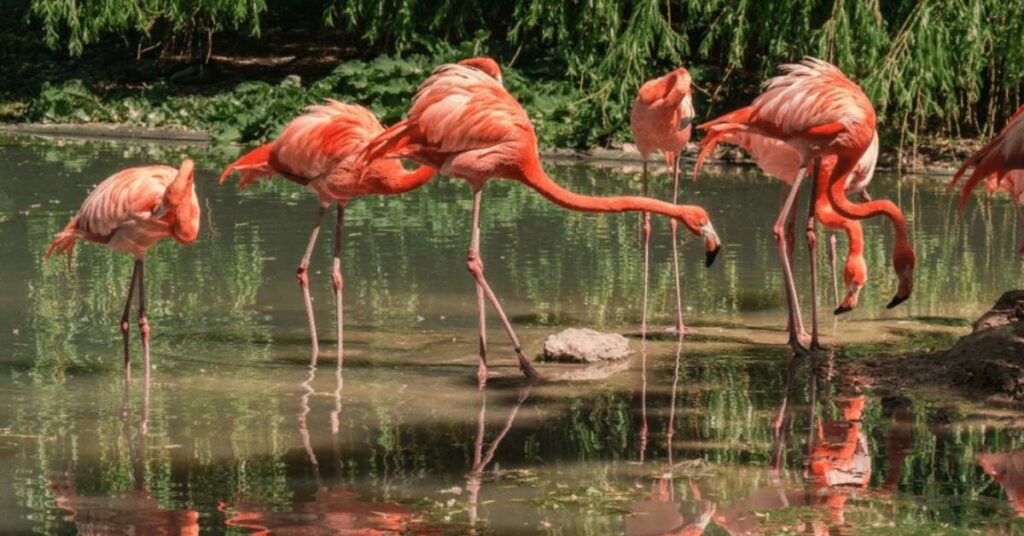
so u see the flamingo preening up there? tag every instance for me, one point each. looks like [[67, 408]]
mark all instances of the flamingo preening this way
[[819, 112], [318, 150], [661, 120], [464, 124], [1001, 161], [130, 212]]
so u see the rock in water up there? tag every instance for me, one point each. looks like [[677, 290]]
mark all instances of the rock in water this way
[[992, 357], [584, 345]]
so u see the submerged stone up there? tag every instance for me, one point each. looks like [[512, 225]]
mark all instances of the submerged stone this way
[[584, 345]]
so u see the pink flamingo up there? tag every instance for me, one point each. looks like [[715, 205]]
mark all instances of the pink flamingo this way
[[819, 112], [1001, 161], [463, 123], [130, 212], [319, 150], [661, 120]]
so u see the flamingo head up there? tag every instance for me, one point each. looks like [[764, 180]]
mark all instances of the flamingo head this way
[[485, 64], [696, 220], [903, 261], [180, 200], [855, 275]]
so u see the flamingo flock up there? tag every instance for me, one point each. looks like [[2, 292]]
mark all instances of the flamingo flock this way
[[463, 123]]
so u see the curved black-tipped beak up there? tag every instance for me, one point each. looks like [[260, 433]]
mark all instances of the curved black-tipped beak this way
[[842, 309], [896, 300], [709, 258]]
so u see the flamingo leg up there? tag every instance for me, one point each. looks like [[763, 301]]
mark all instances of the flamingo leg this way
[[779, 230], [125, 325], [673, 224], [339, 283], [812, 250], [832, 265], [143, 323], [303, 277], [645, 229], [643, 402], [475, 266]]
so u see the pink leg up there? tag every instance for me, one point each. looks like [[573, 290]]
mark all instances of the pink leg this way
[[643, 402], [680, 328], [646, 231], [143, 323], [339, 283], [780, 239], [472, 262], [832, 264], [303, 278], [476, 268], [124, 322], [812, 250]]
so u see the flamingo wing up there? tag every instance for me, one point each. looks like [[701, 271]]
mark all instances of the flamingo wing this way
[[1001, 154], [325, 137]]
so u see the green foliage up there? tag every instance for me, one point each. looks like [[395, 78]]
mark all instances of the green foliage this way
[[76, 24], [930, 66]]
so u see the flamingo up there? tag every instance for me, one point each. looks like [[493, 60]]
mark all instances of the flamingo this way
[[463, 123], [661, 120], [819, 112], [130, 212], [1001, 161], [318, 150]]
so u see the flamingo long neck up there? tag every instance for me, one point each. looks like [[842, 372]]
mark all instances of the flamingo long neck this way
[[390, 178], [533, 175], [859, 211]]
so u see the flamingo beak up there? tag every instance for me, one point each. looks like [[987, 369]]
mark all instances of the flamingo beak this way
[[842, 309], [712, 244], [896, 300]]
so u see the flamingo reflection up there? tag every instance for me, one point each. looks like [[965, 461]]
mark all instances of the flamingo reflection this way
[[134, 512], [659, 513], [1007, 468], [481, 458], [334, 509], [837, 463]]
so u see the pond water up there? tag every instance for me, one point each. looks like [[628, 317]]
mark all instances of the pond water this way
[[724, 433]]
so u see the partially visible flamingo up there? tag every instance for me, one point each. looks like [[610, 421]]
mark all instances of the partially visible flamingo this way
[[819, 112], [1001, 161], [463, 123], [130, 212], [318, 150], [661, 120]]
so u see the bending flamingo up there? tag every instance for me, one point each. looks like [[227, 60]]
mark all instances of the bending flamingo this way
[[661, 120], [129, 212], [319, 150], [1001, 161], [463, 123], [819, 112]]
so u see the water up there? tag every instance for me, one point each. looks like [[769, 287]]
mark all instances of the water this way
[[241, 433]]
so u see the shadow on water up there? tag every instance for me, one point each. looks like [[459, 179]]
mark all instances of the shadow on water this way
[[238, 432]]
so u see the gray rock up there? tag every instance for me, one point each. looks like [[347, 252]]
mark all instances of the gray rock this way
[[584, 345]]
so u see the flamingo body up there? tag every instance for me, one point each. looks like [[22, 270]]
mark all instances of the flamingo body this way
[[134, 209], [1001, 155], [662, 114]]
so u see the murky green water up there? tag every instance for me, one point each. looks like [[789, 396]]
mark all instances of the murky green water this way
[[243, 435]]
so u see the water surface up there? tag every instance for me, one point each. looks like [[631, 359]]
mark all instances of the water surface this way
[[242, 434]]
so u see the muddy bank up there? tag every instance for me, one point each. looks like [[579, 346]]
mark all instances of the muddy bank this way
[[987, 363]]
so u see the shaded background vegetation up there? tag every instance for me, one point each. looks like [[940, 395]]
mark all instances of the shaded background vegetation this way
[[947, 68]]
